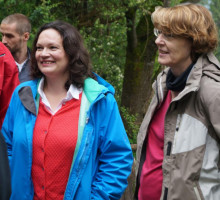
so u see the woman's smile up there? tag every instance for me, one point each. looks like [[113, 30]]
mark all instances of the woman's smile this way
[[50, 55]]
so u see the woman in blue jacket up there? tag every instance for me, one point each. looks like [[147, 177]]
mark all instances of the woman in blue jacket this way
[[64, 134]]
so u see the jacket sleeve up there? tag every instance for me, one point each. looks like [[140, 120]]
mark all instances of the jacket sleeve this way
[[8, 81], [210, 98], [115, 160], [7, 128]]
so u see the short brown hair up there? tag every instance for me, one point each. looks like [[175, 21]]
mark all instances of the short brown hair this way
[[22, 22], [191, 21]]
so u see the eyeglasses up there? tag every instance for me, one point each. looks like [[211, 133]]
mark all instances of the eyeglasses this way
[[165, 36]]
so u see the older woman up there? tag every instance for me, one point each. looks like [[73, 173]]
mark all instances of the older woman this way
[[63, 130], [179, 139]]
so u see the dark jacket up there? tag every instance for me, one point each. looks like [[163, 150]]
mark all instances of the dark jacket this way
[[5, 186], [25, 74]]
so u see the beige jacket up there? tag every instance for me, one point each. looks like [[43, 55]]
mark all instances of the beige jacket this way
[[191, 166]]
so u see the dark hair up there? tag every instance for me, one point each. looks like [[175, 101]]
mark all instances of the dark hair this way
[[79, 60]]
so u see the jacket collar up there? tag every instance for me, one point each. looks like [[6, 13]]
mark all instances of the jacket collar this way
[[27, 91], [94, 88], [30, 97], [206, 64]]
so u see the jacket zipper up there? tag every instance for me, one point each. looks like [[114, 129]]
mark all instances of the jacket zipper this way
[[169, 145], [165, 193]]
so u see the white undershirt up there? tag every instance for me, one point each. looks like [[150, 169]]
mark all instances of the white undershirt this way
[[73, 92], [20, 66]]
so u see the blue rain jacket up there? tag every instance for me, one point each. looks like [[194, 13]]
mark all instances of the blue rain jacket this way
[[102, 159]]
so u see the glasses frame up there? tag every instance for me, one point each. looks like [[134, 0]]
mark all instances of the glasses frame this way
[[158, 32]]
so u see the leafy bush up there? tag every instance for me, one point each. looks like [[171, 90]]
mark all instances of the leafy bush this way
[[131, 124]]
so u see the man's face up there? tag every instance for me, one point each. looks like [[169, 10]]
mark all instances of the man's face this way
[[10, 38]]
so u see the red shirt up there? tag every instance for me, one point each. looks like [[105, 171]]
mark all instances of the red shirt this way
[[151, 174], [54, 142]]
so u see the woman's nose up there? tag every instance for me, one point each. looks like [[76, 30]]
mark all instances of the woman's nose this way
[[159, 40], [45, 52]]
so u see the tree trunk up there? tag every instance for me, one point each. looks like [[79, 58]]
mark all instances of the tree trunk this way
[[140, 56]]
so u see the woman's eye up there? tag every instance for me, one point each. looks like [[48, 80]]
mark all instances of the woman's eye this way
[[39, 48], [168, 35], [53, 47]]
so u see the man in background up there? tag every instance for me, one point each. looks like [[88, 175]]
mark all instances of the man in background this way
[[15, 30]]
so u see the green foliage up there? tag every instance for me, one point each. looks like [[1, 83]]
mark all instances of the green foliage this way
[[213, 6], [106, 42], [103, 26], [132, 126], [41, 14], [14, 6], [157, 68], [175, 2]]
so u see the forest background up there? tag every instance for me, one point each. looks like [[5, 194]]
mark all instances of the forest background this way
[[119, 37]]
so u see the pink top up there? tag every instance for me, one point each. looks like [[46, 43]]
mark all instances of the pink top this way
[[151, 174]]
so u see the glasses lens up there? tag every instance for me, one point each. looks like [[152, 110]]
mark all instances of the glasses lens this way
[[156, 32], [165, 36]]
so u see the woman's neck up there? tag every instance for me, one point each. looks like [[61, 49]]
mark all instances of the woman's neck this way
[[54, 86], [55, 92], [179, 69]]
